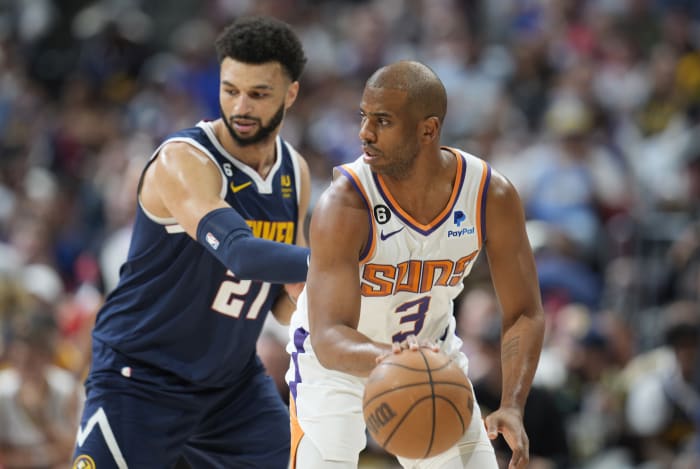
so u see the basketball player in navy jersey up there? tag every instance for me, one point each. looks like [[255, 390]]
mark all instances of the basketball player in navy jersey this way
[[410, 217], [217, 235]]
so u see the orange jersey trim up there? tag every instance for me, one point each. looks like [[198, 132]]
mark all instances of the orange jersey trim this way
[[297, 433], [372, 238], [443, 215]]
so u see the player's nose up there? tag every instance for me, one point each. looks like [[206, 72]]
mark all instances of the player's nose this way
[[242, 105], [366, 133]]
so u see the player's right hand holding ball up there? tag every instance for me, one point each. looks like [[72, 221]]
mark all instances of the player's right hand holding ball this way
[[411, 343]]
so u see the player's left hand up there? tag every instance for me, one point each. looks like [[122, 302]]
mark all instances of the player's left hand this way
[[509, 423]]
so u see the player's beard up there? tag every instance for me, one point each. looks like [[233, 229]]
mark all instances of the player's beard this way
[[401, 165], [264, 131]]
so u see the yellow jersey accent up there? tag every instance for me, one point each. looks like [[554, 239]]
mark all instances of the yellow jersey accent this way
[[280, 231], [240, 187], [83, 462]]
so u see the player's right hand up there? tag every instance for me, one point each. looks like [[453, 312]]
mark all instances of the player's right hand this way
[[395, 348], [412, 343]]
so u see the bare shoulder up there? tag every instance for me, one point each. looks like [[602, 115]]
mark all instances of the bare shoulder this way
[[505, 216], [500, 186], [174, 156], [303, 164], [341, 214], [502, 194], [183, 166], [301, 159], [342, 194], [180, 174]]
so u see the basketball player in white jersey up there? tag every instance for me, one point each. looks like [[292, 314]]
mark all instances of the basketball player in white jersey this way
[[412, 216]]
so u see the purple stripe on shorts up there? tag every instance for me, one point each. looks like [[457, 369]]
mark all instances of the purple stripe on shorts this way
[[300, 336]]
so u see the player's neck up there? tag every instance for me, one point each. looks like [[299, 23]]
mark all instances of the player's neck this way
[[426, 189], [426, 171], [259, 156]]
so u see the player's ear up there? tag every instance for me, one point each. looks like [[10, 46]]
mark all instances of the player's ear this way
[[430, 129], [292, 93]]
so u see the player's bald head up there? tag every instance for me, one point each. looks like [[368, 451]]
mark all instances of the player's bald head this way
[[426, 94]]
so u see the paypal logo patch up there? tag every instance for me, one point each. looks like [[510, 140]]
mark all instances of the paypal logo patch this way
[[459, 217], [462, 232]]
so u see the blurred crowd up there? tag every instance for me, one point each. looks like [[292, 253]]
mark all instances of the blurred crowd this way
[[590, 107]]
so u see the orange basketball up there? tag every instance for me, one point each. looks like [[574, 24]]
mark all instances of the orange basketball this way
[[417, 404]]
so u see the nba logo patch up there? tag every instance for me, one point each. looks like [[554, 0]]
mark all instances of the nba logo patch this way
[[211, 239]]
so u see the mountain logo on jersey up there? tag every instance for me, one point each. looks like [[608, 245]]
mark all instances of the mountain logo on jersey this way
[[98, 419], [240, 187], [212, 241]]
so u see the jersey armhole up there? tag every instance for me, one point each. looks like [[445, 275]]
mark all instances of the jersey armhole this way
[[189, 141], [371, 243], [481, 202], [294, 156]]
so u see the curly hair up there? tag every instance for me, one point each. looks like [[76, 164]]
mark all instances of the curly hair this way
[[257, 39]]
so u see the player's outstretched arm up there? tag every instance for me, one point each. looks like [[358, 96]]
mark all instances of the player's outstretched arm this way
[[514, 277], [184, 184], [339, 231]]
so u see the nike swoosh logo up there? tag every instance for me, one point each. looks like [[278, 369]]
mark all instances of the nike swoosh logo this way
[[389, 235], [240, 187]]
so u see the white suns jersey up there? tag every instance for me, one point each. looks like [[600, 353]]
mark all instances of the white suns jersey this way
[[410, 272]]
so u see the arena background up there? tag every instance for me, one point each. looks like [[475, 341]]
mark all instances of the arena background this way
[[590, 107]]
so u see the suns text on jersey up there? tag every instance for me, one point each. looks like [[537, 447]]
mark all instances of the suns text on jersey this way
[[280, 231], [414, 276]]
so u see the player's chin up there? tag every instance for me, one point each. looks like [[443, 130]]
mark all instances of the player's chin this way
[[376, 163], [246, 132]]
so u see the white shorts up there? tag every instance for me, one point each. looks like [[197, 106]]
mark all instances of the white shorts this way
[[326, 407]]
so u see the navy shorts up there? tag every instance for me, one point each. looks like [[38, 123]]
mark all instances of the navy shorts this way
[[129, 423]]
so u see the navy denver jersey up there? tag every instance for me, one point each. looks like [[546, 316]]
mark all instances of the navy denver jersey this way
[[176, 307]]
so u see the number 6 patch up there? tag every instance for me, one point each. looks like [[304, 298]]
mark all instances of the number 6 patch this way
[[382, 214]]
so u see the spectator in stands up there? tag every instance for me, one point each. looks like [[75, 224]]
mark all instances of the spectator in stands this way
[[39, 402]]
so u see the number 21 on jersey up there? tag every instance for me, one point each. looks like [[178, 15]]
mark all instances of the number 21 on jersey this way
[[231, 299]]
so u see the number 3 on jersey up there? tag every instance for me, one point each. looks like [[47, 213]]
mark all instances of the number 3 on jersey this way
[[417, 308], [232, 295]]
